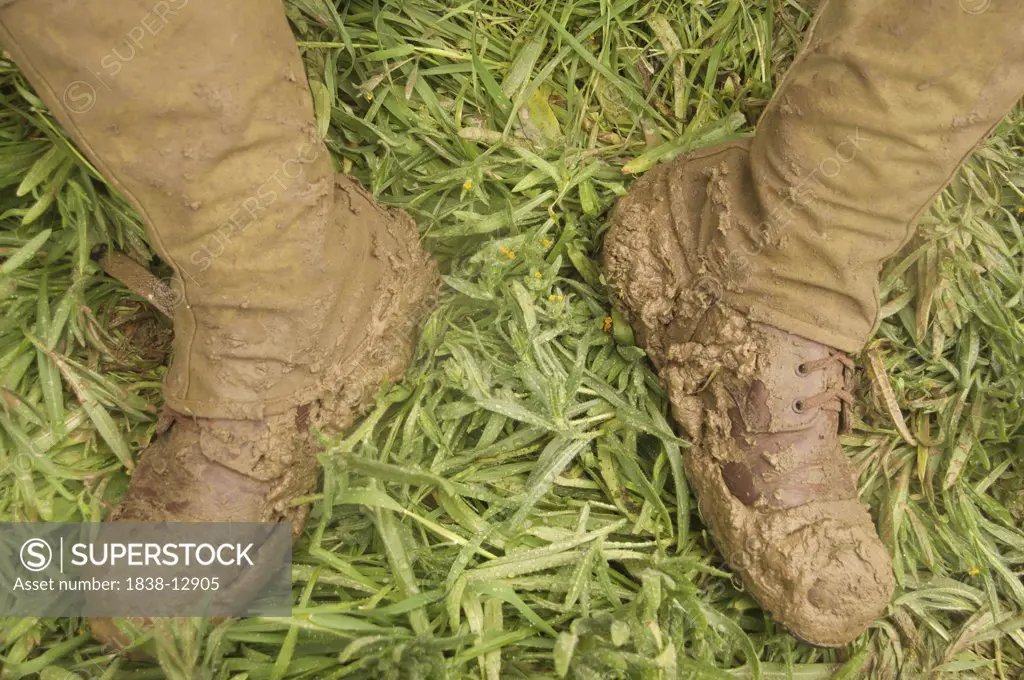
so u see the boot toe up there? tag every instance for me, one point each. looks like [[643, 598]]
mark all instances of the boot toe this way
[[834, 584]]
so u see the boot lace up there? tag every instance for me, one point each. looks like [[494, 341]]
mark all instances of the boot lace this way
[[836, 394]]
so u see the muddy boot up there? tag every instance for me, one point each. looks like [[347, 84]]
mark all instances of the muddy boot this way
[[297, 294], [762, 408], [749, 269]]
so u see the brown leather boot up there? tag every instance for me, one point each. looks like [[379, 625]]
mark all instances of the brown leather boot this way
[[761, 406]]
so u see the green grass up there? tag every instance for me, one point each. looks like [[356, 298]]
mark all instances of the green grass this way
[[562, 541]]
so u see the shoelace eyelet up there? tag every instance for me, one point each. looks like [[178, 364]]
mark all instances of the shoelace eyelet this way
[[798, 406], [801, 370]]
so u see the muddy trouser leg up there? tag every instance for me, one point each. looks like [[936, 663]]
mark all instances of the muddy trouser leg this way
[[882, 105], [299, 293], [200, 114]]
